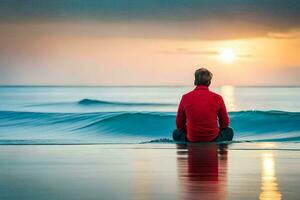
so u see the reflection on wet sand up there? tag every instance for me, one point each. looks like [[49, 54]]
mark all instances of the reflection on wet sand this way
[[269, 185], [202, 171]]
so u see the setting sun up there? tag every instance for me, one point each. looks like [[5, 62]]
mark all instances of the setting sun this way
[[227, 55]]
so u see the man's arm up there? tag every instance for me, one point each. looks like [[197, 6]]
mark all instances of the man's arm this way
[[223, 115], [181, 117]]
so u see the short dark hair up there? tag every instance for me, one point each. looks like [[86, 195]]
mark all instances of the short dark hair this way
[[203, 77]]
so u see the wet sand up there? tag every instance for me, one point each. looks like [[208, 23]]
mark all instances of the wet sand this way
[[150, 171]]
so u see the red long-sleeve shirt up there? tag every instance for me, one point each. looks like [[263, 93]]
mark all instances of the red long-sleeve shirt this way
[[201, 113]]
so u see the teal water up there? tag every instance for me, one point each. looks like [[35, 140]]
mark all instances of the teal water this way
[[89, 115]]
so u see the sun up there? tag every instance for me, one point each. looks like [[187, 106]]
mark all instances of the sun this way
[[227, 55]]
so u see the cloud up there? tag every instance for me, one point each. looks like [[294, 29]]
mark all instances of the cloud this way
[[189, 19], [186, 51], [293, 34]]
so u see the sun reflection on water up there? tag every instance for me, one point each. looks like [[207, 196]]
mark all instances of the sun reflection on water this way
[[228, 94], [269, 185]]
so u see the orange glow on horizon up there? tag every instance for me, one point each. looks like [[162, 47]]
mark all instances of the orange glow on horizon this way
[[81, 60]]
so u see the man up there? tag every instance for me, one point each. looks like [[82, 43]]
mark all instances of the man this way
[[202, 115]]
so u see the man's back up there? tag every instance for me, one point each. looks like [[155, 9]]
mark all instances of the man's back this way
[[198, 114]]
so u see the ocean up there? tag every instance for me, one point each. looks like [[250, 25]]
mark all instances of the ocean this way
[[134, 115], [115, 143]]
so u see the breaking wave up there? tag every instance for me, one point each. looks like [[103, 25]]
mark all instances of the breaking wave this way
[[134, 127]]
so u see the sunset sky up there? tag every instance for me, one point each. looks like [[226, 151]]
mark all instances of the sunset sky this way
[[149, 42]]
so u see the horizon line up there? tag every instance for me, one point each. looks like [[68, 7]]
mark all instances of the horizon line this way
[[69, 85]]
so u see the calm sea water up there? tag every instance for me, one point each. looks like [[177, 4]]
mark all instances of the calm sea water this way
[[66, 99], [137, 114]]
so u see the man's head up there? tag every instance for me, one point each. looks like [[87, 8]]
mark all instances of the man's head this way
[[203, 77]]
